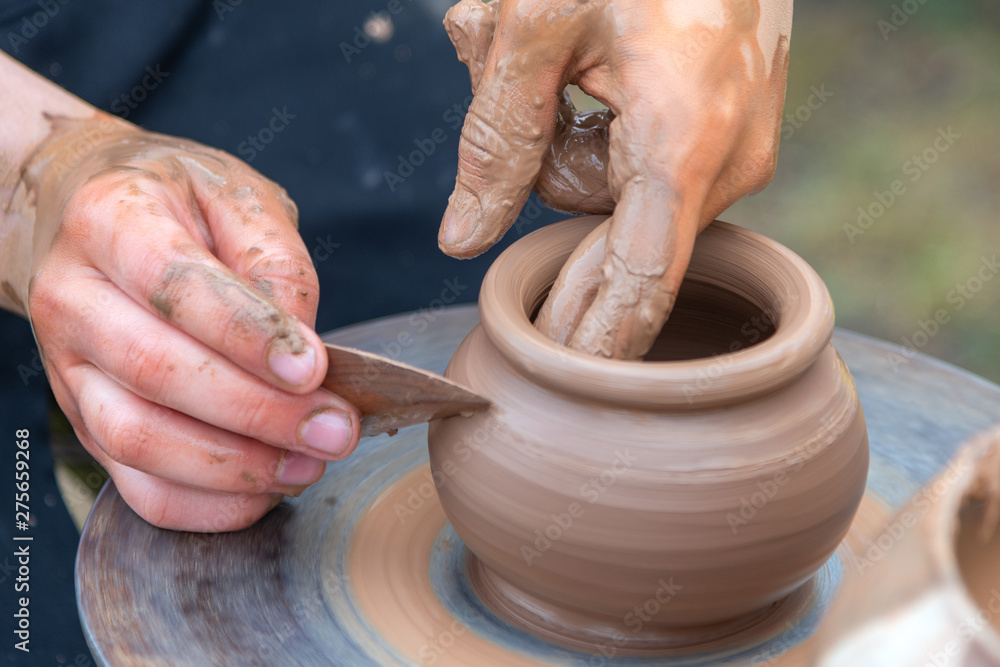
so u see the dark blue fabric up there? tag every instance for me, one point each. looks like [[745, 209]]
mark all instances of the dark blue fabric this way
[[220, 72], [54, 628]]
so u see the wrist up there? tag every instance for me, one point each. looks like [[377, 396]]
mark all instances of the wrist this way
[[26, 99], [47, 178]]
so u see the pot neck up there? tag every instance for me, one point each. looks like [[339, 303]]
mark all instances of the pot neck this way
[[756, 268]]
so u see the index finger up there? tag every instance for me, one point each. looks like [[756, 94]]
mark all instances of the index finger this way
[[254, 224], [138, 243], [661, 192]]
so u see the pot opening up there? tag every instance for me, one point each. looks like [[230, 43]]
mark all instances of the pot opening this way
[[745, 299], [707, 321]]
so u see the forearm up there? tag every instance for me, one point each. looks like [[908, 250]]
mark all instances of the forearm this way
[[27, 101]]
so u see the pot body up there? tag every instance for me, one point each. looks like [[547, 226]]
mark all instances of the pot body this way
[[690, 507]]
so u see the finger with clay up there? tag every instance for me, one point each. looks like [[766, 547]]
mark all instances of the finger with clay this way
[[694, 92]]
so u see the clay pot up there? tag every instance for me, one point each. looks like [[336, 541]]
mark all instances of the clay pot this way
[[926, 591], [653, 504]]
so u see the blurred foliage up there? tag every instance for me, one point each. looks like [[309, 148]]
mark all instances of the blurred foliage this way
[[892, 91]]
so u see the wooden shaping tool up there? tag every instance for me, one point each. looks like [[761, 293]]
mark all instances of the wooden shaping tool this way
[[391, 395]]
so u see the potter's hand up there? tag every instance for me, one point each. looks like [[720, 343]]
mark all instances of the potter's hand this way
[[173, 300], [695, 91]]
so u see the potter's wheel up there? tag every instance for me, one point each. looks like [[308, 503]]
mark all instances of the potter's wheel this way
[[363, 569]]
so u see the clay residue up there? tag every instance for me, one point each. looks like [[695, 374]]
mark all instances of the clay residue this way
[[263, 285], [254, 316], [255, 276], [162, 305], [574, 175], [286, 202], [470, 25], [574, 289], [667, 168]]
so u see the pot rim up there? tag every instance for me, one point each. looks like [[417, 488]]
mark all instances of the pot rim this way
[[768, 274]]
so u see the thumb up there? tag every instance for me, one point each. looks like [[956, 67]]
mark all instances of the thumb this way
[[507, 133]]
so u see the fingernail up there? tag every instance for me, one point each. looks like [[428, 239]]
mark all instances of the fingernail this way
[[460, 220], [299, 469], [329, 431], [295, 369]]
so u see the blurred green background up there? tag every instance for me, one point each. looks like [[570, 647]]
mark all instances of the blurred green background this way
[[889, 93]]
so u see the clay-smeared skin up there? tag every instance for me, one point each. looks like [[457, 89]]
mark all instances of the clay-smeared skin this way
[[575, 288], [699, 435], [695, 92], [160, 277], [932, 596], [574, 175]]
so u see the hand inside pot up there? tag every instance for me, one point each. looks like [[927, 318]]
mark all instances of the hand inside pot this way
[[694, 93]]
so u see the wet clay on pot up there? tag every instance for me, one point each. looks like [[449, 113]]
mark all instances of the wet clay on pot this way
[[706, 487]]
